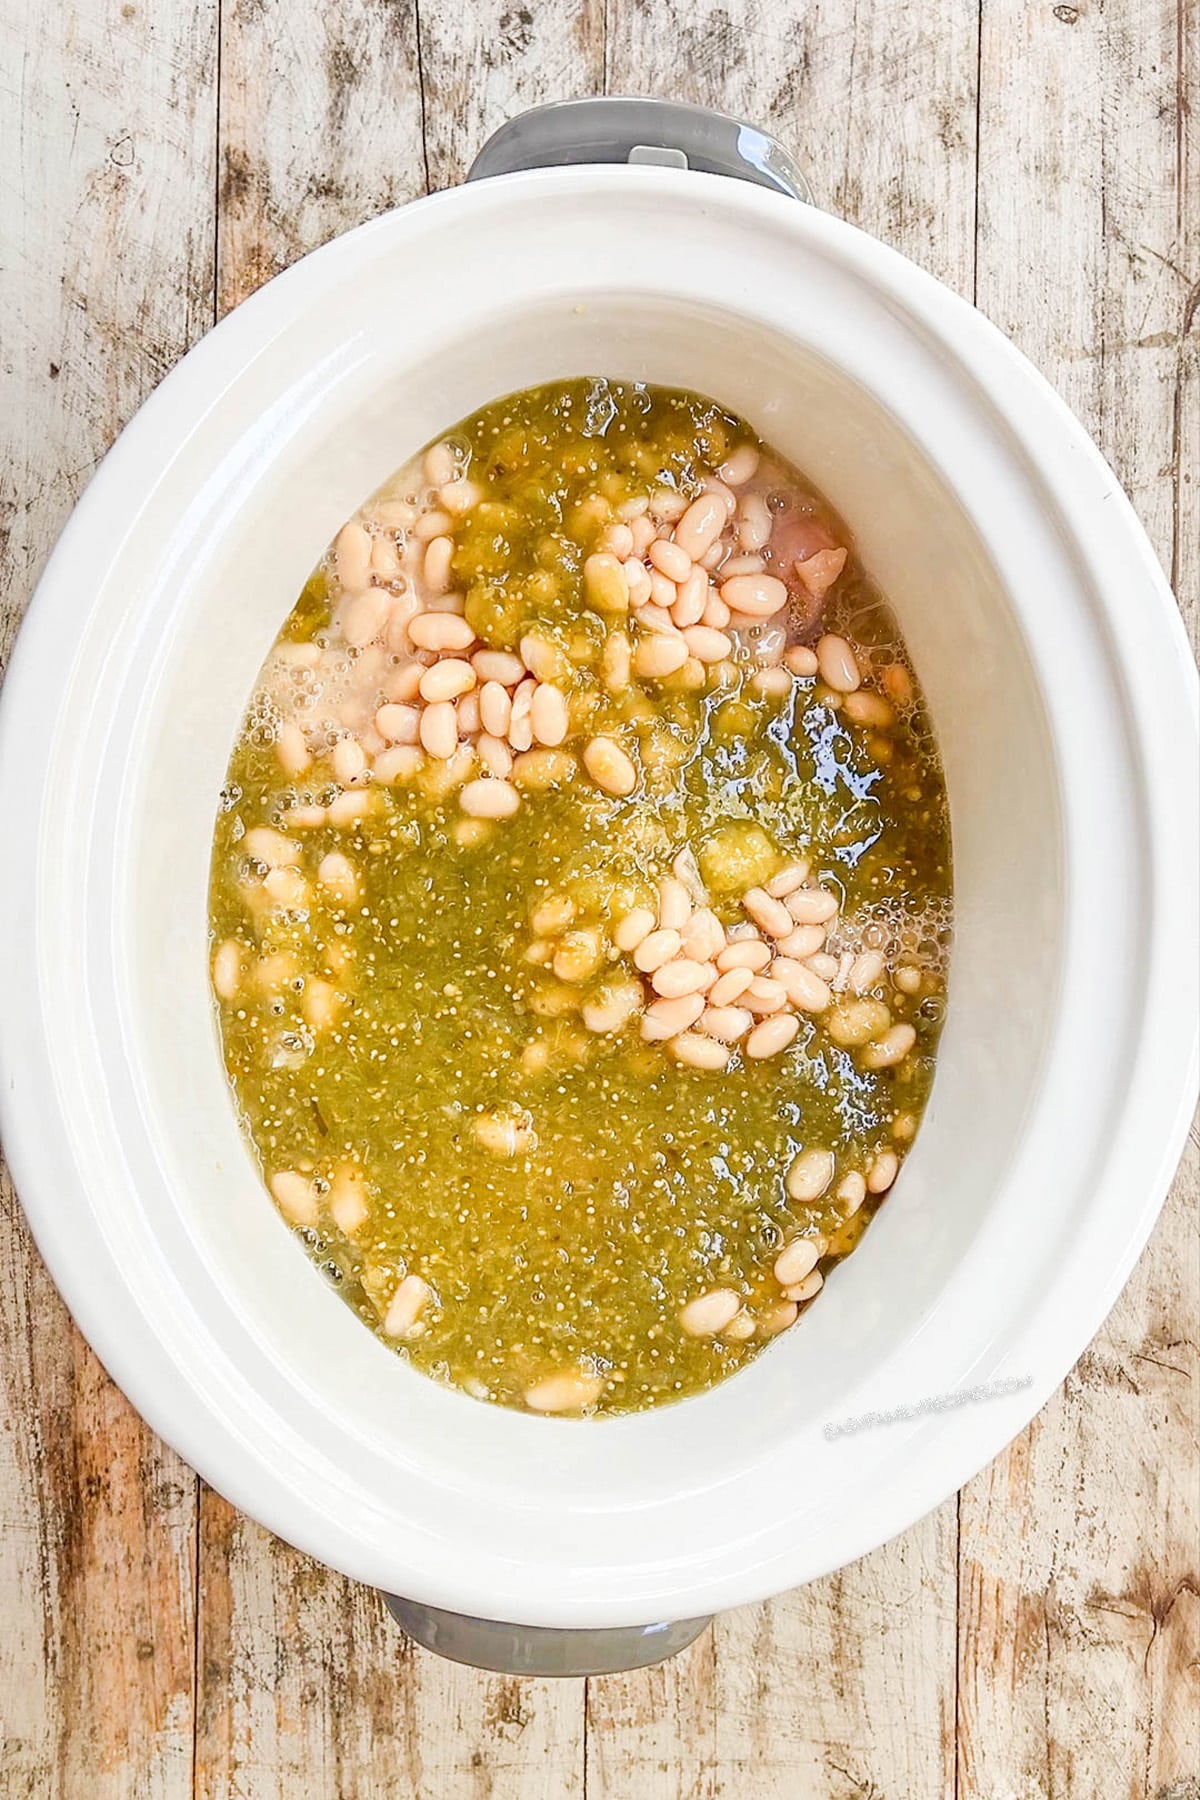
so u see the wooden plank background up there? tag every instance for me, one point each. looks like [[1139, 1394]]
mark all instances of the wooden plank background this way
[[1038, 1638]]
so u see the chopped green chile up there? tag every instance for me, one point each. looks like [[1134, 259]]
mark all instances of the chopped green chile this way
[[442, 1060]]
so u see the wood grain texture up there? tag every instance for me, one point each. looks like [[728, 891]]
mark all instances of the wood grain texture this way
[[1076, 1675], [844, 1690], [106, 148], [653, 1732], [309, 1689], [481, 64], [320, 128], [108, 219], [877, 101], [1080, 1612]]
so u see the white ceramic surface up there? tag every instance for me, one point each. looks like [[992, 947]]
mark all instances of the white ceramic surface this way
[[1064, 699]]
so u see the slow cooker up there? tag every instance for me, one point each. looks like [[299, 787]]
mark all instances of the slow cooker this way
[[1065, 705]]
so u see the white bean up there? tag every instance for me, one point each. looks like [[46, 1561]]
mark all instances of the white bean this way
[[772, 1035], [436, 567], [852, 1191], [459, 496], [439, 464], [365, 617], [699, 1052], [835, 660], [703, 936], [871, 710], [789, 878], [400, 763], [349, 760], [754, 523], [730, 987], [774, 682], [352, 556], [656, 948], [812, 906], [398, 724], [295, 1196], [440, 631], [520, 719], [882, 1172], [407, 1303], [667, 1018], [682, 976], [803, 986], [432, 524], [563, 1393], [796, 1260], [758, 596], [609, 767], [707, 645], [549, 716], [344, 808], [670, 560], [663, 591], [617, 540], [710, 1313], [692, 599], [347, 1200], [865, 971], [778, 1318], [467, 707], [227, 969], [633, 928], [890, 1049], [291, 750], [638, 583], [657, 655], [674, 904], [726, 1023], [741, 467], [744, 953], [337, 873], [495, 755], [495, 707], [700, 527], [770, 915], [812, 1284], [439, 729], [489, 799], [447, 679], [667, 505], [268, 846], [502, 666], [810, 1174], [287, 887]]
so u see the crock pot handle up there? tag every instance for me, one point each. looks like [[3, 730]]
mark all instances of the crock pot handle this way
[[610, 129], [539, 1649]]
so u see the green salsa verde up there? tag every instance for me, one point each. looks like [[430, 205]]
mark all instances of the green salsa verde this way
[[581, 901]]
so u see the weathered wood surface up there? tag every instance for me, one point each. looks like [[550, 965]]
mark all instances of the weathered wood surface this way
[[1035, 1640], [1079, 1620], [106, 278]]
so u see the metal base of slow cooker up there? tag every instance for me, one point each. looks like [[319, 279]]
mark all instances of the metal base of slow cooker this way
[[540, 1650]]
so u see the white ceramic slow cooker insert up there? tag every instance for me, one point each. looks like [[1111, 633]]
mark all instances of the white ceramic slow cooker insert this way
[[1063, 698]]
